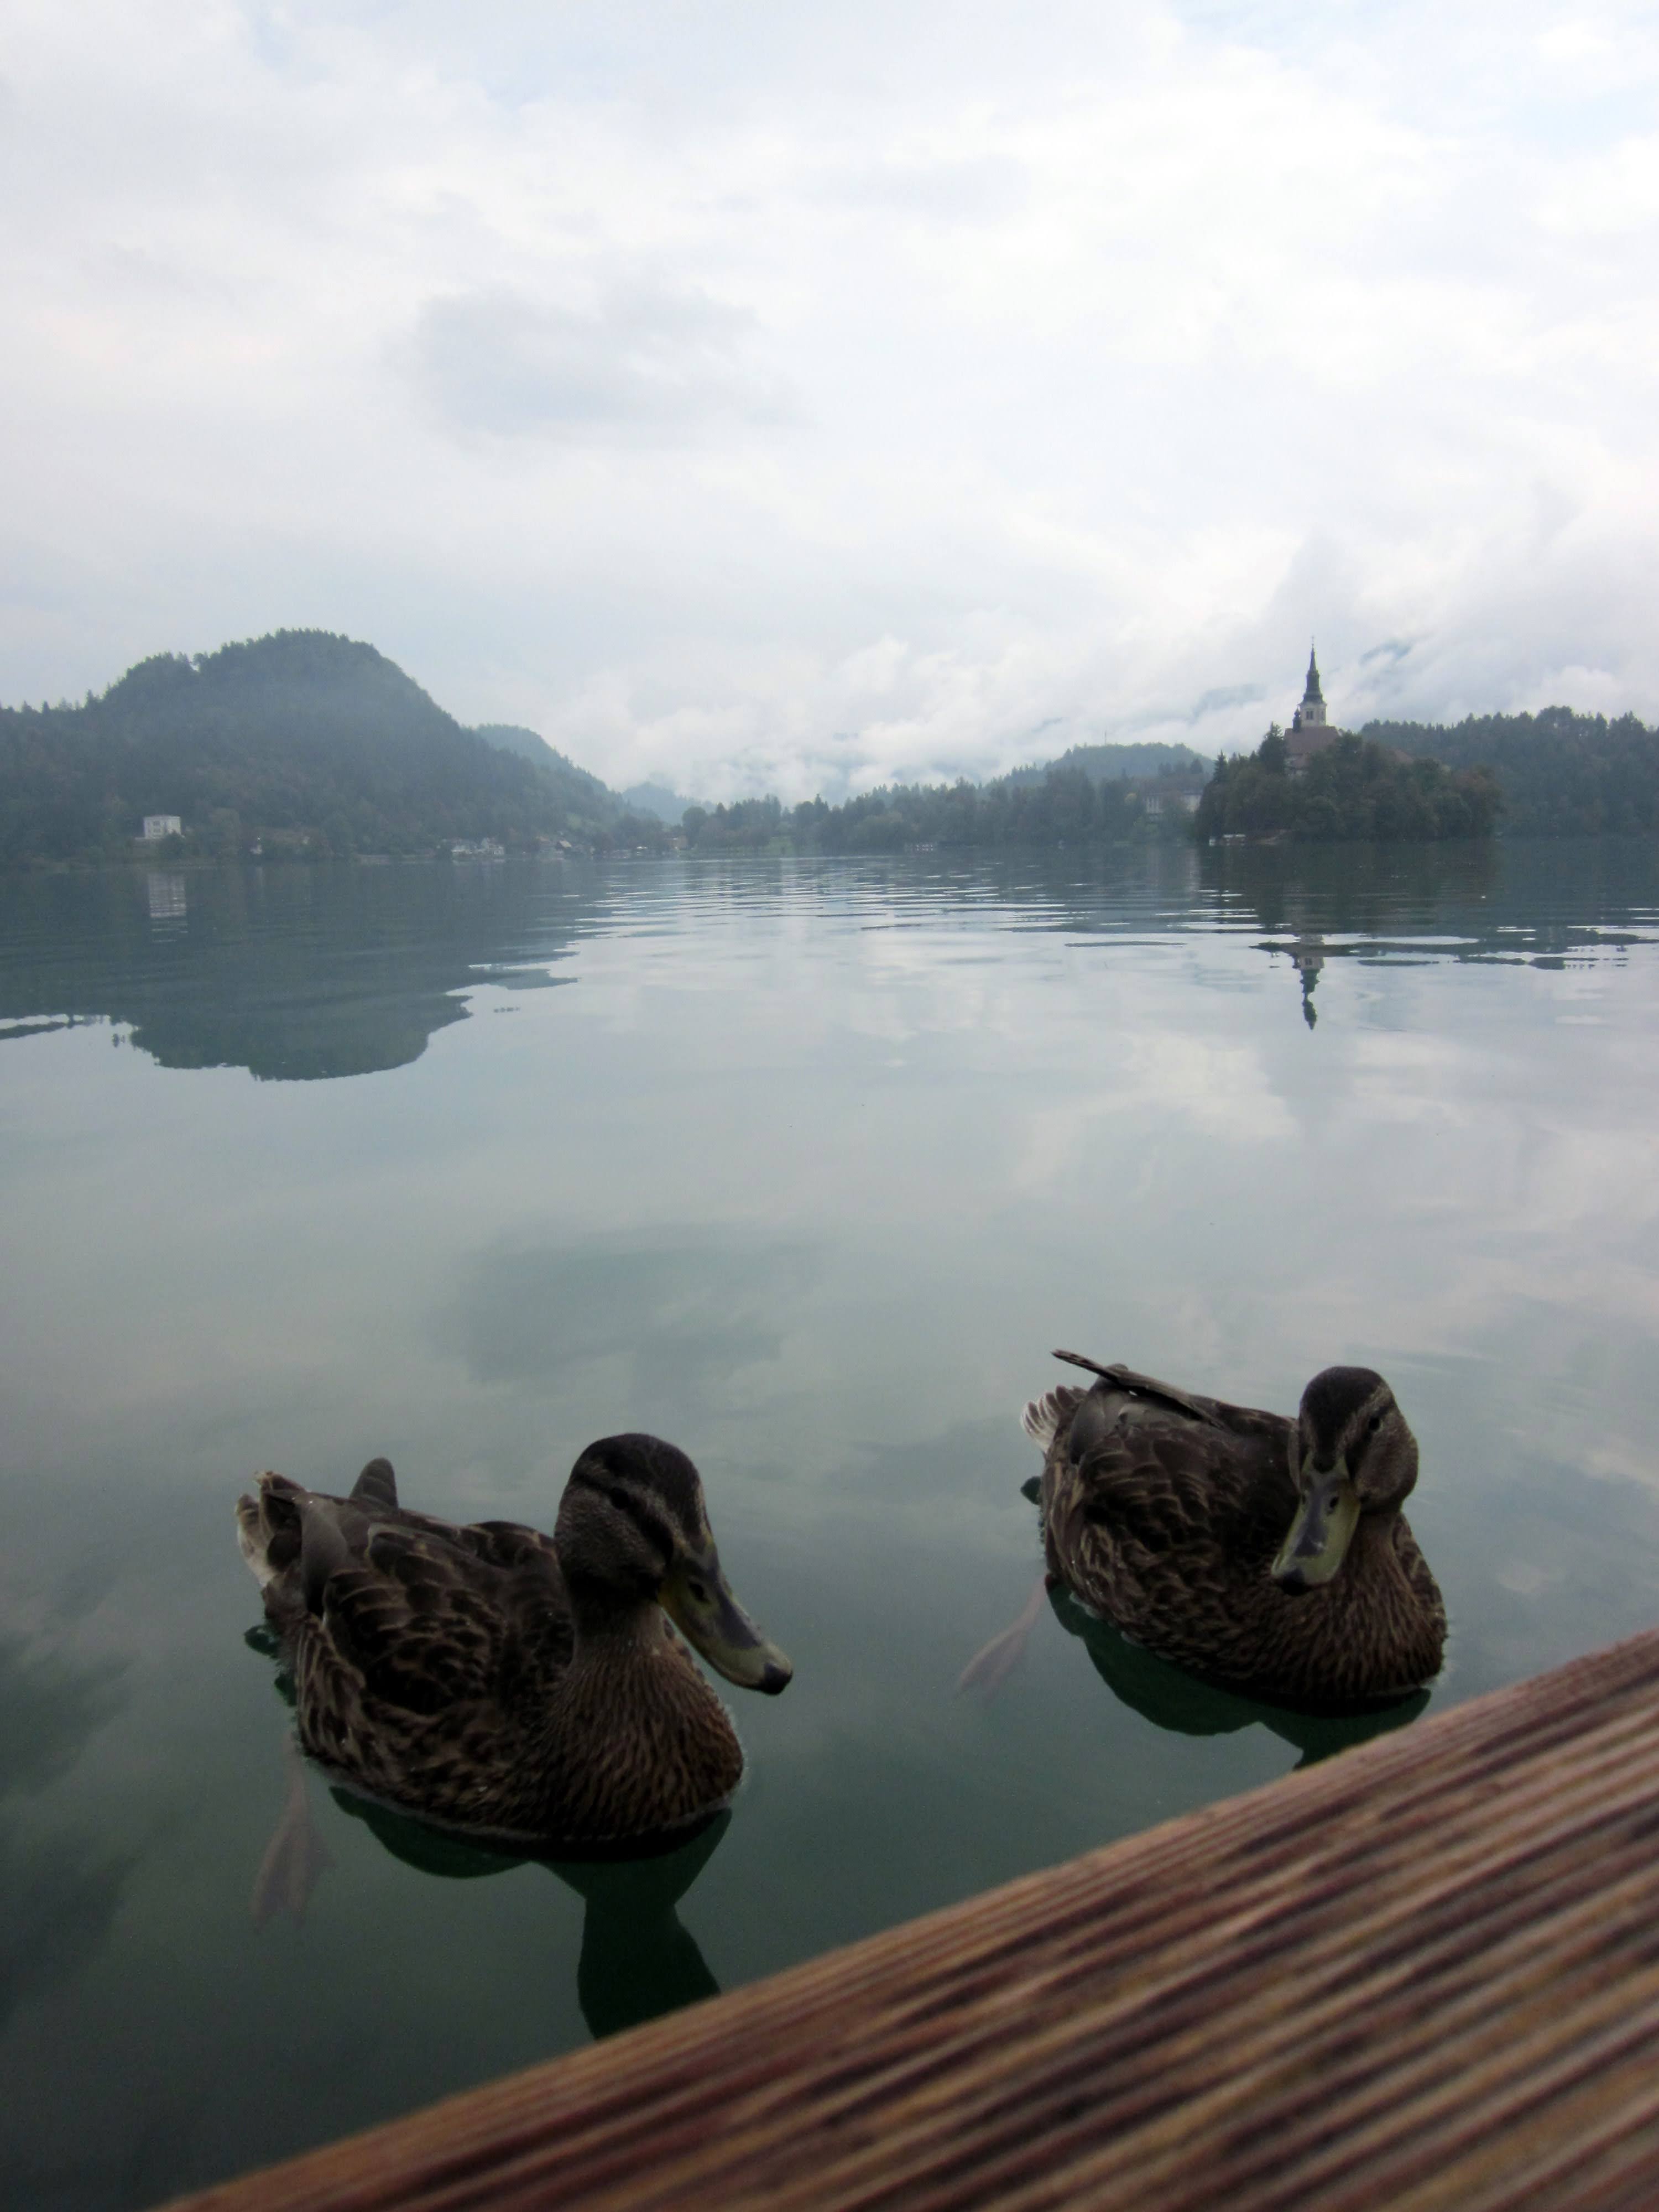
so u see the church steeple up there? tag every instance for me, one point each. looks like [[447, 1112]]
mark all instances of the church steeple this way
[[1310, 715]]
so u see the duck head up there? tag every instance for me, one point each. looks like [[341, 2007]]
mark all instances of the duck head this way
[[633, 1530], [1352, 1455]]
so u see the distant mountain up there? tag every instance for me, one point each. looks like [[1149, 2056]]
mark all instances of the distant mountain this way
[[302, 741], [604, 803], [1108, 764], [655, 799]]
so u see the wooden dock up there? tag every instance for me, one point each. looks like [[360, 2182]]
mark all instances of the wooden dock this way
[[1422, 1977]]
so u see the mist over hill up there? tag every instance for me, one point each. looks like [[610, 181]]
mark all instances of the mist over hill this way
[[307, 746], [656, 799], [1105, 763]]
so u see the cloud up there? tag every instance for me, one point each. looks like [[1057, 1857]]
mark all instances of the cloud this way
[[742, 402], [646, 360]]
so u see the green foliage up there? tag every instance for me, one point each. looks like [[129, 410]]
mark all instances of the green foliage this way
[[1562, 773], [1354, 788], [312, 744], [1063, 806]]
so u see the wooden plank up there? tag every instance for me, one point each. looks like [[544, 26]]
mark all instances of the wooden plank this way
[[1424, 1976]]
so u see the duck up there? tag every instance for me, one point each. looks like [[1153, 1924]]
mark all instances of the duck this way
[[1265, 1554], [522, 1689]]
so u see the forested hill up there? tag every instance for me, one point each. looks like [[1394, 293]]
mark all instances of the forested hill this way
[[1562, 773], [1117, 763], [303, 740]]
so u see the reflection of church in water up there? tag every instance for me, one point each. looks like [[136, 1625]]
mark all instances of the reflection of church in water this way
[[1308, 957], [1309, 733]]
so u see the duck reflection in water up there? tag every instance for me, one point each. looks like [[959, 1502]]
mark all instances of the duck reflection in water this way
[[638, 1960], [1171, 1698]]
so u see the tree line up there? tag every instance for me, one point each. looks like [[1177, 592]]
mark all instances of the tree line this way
[[1562, 773], [1064, 806], [306, 744]]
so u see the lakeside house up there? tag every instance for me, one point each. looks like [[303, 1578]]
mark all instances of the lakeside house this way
[[157, 826]]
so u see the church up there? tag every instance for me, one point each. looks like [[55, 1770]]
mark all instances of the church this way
[[1309, 732]]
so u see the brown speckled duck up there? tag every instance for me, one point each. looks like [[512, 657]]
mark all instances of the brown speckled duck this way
[[495, 1680], [1265, 1553]]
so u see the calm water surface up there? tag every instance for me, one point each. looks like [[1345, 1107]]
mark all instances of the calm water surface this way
[[807, 1167]]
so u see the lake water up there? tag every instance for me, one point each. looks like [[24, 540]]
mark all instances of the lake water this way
[[807, 1166]]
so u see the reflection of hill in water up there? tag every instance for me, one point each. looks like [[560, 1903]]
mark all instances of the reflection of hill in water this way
[[1549, 904], [295, 973], [1537, 901]]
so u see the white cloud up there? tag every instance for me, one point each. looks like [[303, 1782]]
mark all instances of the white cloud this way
[[752, 401], [644, 361]]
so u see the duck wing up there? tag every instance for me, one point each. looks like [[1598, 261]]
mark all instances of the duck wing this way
[[1164, 1478], [431, 1619]]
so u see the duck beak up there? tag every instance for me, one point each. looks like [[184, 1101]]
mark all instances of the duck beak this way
[[697, 1598], [1321, 1532]]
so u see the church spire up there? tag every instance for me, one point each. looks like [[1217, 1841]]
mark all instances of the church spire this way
[[1310, 715]]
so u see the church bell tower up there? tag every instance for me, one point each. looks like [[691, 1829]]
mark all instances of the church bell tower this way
[[1310, 715]]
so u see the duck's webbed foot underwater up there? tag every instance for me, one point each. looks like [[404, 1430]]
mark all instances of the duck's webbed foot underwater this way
[[296, 1858], [990, 1666]]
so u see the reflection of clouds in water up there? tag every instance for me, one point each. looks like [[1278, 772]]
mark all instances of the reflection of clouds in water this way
[[61, 1895], [61, 1891], [1578, 1175], [681, 1317], [49, 1707], [1222, 1090]]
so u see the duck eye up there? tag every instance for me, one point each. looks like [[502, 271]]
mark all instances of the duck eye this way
[[697, 1589], [618, 1498], [1375, 1423]]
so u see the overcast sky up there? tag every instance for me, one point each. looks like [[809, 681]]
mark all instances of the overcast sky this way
[[757, 396]]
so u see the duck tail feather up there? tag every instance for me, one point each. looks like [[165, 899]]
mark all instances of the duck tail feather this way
[[1094, 1367], [1042, 1418], [377, 1485], [268, 1527]]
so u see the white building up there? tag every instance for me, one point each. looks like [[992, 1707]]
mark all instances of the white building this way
[[157, 826]]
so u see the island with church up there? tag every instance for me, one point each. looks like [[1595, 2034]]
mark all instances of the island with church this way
[[1314, 781]]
